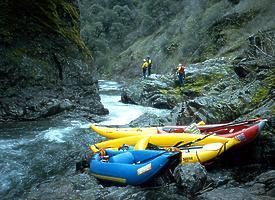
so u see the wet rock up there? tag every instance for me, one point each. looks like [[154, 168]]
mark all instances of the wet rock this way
[[218, 178], [265, 183], [229, 194], [149, 92], [239, 99], [56, 106], [257, 189], [136, 193], [79, 186], [264, 150], [208, 68], [38, 102], [148, 119], [190, 178]]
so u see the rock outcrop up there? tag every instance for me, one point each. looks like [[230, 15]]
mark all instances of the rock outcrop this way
[[150, 92], [213, 92], [45, 67]]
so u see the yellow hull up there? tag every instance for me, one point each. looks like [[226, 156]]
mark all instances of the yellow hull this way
[[162, 140], [200, 152], [204, 154], [114, 133]]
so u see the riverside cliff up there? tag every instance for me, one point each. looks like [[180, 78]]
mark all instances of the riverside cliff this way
[[45, 66]]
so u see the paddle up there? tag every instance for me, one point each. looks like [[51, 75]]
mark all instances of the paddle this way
[[195, 141], [153, 157]]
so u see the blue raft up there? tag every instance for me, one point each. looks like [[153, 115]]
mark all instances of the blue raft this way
[[133, 167]]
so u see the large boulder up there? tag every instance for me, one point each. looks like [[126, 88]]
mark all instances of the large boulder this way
[[264, 184], [149, 119], [228, 99], [190, 178], [149, 92], [262, 187]]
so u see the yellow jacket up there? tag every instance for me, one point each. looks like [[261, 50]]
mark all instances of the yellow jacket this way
[[145, 65]]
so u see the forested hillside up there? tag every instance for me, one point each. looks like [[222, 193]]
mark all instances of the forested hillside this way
[[121, 33]]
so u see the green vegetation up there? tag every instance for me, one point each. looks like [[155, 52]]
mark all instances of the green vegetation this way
[[32, 18], [263, 91], [110, 27], [41, 43], [201, 81], [121, 33], [260, 95]]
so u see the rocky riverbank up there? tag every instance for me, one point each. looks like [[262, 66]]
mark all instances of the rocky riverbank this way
[[194, 182], [213, 92], [216, 91], [47, 71]]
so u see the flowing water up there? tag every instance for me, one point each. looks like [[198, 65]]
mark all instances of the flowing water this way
[[32, 152]]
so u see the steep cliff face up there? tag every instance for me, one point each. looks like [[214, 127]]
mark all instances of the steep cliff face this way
[[43, 60]]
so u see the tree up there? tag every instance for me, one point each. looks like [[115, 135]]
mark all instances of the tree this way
[[124, 14], [117, 31], [147, 25], [109, 16], [112, 3]]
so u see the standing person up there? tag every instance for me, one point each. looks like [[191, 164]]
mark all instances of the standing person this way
[[149, 65], [181, 73], [144, 67]]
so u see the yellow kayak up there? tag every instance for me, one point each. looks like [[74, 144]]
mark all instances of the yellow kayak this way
[[224, 130], [201, 151], [197, 153], [114, 133], [162, 140], [206, 152]]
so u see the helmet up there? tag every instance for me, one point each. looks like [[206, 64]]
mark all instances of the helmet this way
[[144, 60], [180, 64]]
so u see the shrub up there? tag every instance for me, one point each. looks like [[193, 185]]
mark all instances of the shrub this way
[[147, 25], [117, 31], [124, 14]]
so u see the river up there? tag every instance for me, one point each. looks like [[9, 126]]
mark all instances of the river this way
[[34, 152]]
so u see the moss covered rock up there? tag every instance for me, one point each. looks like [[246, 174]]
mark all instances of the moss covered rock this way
[[41, 49]]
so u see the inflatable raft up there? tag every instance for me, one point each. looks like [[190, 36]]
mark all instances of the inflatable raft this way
[[132, 167]]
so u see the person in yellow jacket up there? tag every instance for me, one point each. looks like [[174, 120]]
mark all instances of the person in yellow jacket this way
[[144, 67]]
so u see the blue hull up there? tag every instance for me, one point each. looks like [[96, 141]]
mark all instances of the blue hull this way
[[132, 167]]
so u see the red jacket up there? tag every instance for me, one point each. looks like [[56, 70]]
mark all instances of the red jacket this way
[[181, 70]]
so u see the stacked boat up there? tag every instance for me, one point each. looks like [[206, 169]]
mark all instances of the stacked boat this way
[[136, 155]]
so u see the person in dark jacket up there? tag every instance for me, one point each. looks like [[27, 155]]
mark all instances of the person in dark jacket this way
[[149, 65]]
